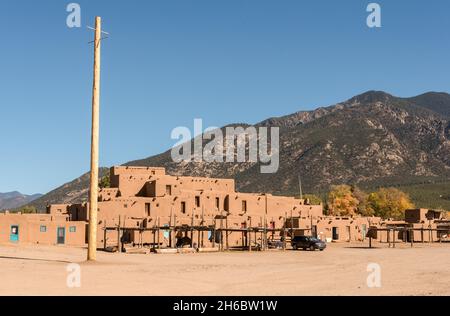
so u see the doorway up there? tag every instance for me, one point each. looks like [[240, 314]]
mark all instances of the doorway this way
[[14, 235], [335, 233], [364, 231], [314, 231], [61, 236]]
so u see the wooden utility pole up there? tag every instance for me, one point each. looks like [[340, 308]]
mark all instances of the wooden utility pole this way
[[93, 194]]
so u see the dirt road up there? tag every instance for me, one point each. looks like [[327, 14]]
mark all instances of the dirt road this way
[[340, 270]]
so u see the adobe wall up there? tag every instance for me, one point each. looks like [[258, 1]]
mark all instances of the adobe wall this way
[[147, 197], [41, 229]]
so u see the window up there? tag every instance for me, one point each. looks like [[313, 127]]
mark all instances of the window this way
[[147, 209], [217, 203], [183, 207], [197, 201], [226, 204], [72, 229], [168, 189], [244, 206], [43, 229]]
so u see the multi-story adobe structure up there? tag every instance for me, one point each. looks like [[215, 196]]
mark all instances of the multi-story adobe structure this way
[[144, 197], [157, 209]]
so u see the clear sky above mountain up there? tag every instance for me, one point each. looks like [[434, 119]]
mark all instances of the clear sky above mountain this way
[[168, 62]]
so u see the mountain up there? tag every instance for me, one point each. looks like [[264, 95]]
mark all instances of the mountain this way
[[12, 200], [371, 140], [72, 192]]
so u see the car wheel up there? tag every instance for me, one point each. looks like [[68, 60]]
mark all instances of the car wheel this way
[[322, 249], [312, 248], [294, 246]]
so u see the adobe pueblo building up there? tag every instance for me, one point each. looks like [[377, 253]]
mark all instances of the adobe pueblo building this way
[[145, 206]]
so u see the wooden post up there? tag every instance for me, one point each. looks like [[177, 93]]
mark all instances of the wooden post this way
[[221, 233], [202, 225], [170, 229], [198, 237], [411, 237], [249, 235], [93, 192], [158, 233], [284, 231], [264, 239], [393, 238], [154, 236], [119, 237], [292, 226], [192, 229], [265, 233], [421, 234], [370, 242], [104, 236], [175, 231], [213, 235], [226, 233]]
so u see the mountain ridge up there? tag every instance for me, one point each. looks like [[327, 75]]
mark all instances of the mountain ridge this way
[[371, 139], [15, 199]]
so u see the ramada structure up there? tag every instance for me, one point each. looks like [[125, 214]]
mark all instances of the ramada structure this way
[[146, 208]]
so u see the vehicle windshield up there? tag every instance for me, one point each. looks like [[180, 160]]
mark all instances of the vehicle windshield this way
[[316, 240]]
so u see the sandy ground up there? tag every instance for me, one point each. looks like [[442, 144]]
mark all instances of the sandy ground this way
[[340, 270]]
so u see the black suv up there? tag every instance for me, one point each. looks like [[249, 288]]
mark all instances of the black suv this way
[[306, 242]]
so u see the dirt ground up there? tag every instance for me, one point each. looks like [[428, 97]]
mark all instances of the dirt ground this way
[[340, 270]]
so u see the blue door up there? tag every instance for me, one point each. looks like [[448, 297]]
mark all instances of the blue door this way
[[14, 235], [364, 231], [61, 235]]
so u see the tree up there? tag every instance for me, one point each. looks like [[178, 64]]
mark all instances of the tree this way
[[313, 199], [341, 201], [104, 182], [26, 210], [362, 196], [389, 203]]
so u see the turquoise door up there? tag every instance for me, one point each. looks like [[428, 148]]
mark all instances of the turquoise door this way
[[166, 233], [14, 235], [61, 235]]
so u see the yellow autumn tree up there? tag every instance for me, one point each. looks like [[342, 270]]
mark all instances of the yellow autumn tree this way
[[389, 203], [341, 201]]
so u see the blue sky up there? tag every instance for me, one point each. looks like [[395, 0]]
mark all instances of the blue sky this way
[[168, 62]]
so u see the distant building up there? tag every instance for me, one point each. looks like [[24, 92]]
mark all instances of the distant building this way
[[420, 225]]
